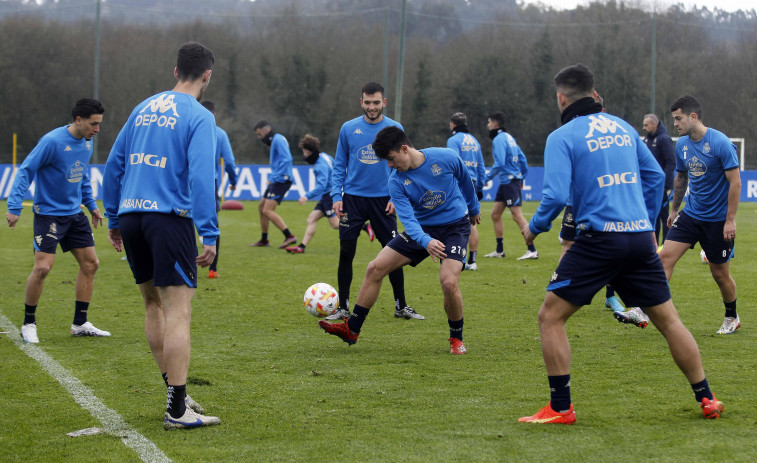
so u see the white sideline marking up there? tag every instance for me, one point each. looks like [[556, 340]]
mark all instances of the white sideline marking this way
[[112, 422]]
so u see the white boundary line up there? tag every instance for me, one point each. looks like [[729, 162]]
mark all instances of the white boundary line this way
[[112, 422]]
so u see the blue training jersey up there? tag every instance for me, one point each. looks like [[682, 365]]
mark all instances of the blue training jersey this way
[[706, 162], [438, 192], [599, 163], [469, 150], [223, 150], [280, 159], [509, 161], [163, 161], [357, 169], [60, 163], [322, 170]]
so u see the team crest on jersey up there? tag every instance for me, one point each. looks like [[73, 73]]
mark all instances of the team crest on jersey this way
[[706, 147], [569, 217], [38, 239], [366, 155], [696, 167], [358, 132], [53, 229], [432, 199], [76, 172], [436, 170], [408, 181], [67, 148]]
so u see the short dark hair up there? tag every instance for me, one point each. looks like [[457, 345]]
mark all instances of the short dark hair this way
[[210, 106], [310, 143], [372, 87], [499, 118], [86, 107], [458, 119], [575, 81], [261, 124], [193, 60], [389, 139], [688, 104]]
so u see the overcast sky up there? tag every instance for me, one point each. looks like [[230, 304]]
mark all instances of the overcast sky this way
[[728, 5]]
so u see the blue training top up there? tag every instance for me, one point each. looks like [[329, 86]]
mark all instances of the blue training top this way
[[162, 162], [357, 169], [280, 159], [60, 163], [322, 170], [706, 162], [438, 192], [509, 161], [599, 162], [469, 150], [223, 150]]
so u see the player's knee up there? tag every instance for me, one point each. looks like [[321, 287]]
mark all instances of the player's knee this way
[[449, 284], [90, 267], [375, 272], [41, 271]]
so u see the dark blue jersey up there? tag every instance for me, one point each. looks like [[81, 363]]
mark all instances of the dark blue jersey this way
[[438, 192], [509, 161], [706, 162], [599, 163], [357, 169], [469, 150], [322, 170], [281, 160], [60, 163]]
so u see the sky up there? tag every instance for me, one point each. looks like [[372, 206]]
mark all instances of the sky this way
[[728, 5]]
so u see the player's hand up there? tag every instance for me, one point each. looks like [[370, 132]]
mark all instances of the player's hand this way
[[208, 255], [232, 187], [338, 208], [729, 230], [97, 218], [114, 236], [527, 235], [12, 219], [302, 200], [480, 195], [436, 249], [476, 219], [672, 217], [389, 208]]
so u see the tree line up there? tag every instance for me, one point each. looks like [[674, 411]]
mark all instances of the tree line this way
[[301, 65]]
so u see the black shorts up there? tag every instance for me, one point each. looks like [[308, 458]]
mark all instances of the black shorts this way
[[509, 193], [628, 261], [71, 231], [686, 229], [454, 236], [568, 226], [358, 210], [160, 247], [325, 205], [277, 191]]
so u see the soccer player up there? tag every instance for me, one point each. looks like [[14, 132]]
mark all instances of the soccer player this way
[[616, 187], [223, 150], [279, 182], [60, 162], [707, 164], [511, 167], [663, 149], [323, 165], [157, 186], [469, 150], [436, 201], [360, 193]]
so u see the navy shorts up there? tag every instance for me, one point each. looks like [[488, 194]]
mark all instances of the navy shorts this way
[[277, 191], [160, 247], [628, 261], [71, 231], [509, 193], [568, 226], [454, 236], [358, 210], [686, 229], [325, 205]]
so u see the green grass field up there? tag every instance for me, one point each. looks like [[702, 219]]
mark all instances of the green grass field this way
[[285, 391]]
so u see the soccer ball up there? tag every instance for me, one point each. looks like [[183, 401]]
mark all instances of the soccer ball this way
[[321, 300], [703, 256]]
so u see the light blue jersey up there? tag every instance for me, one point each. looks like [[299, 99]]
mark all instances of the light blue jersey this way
[[322, 170], [706, 162], [509, 161], [438, 192], [280, 159], [599, 163], [60, 163], [223, 150], [469, 150], [357, 169], [163, 161]]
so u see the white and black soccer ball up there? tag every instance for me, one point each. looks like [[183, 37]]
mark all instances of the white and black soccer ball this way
[[321, 300]]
